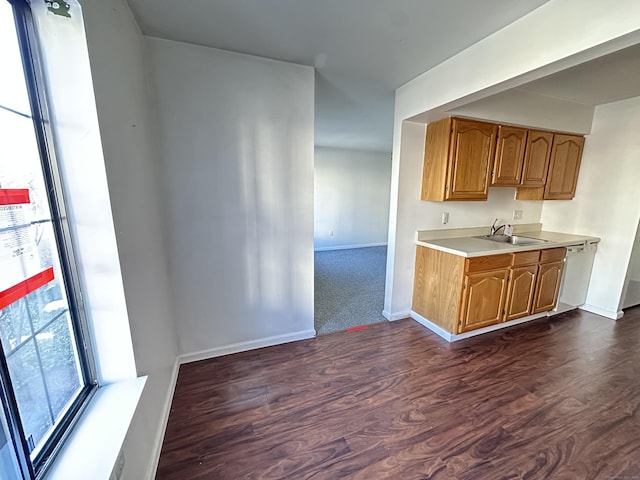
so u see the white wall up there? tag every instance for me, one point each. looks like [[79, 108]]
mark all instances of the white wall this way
[[131, 158], [351, 197], [555, 36], [607, 201], [634, 264], [536, 45], [520, 107], [237, 154]]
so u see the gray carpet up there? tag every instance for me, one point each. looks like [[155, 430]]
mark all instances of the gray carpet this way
[[349, 288]]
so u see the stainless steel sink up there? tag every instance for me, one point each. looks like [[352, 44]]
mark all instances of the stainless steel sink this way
[[513, 240]]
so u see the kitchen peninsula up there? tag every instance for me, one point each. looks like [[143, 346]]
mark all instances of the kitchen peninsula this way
[[467, 282]]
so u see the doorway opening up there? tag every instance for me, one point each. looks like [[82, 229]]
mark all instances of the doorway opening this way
[[351, 221], [631, 297]]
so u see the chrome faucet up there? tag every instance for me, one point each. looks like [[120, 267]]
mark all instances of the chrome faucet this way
[[494, 229]]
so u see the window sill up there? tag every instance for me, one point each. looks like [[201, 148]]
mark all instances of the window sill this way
[[92, 449]]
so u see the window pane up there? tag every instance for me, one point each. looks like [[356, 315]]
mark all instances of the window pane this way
[[20, 165], [13, 91], [15, 325], [50, 301], [28, 385], [37, 336], [59, 363], [9, 468]]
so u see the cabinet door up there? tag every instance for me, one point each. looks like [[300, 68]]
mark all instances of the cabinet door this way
[[563, 167], [483, 299], [522, 283], [536, 158], [510, 147], [547, 287], [470, 156], [436, 160]]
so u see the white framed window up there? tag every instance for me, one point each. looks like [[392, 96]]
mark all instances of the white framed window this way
[[46, 368]]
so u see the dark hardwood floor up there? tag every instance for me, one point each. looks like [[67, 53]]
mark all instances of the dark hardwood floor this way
[[556, 398]]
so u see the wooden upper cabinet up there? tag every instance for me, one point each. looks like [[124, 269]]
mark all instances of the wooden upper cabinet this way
[[462, 158], [510, 149], [483, 299], [563, 167], [536, 159], [458, 156], [472, 147]]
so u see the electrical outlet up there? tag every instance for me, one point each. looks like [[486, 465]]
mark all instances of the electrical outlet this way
[[445, 218], [517, 214], [331, 233]]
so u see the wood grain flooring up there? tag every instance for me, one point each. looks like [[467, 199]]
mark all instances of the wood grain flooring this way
[[556, 398]]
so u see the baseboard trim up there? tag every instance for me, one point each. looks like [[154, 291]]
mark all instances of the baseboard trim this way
[[562, 307], [392, 317], [164, 420], [441, 332], [603, 312], [452, 337], [244, 346], [347, 247]]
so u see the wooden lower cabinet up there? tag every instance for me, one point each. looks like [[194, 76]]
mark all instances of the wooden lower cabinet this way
[[482, 299], [461, 294], [522, 284], [547, 287]]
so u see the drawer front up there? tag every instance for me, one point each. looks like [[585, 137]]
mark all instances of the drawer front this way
[[525, 258], [489, 262], [552, 255]]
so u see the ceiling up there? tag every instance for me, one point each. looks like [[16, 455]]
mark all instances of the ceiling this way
[[362, 49]]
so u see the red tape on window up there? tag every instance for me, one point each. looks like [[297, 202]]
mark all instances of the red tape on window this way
[[24, 288], [14, 196]]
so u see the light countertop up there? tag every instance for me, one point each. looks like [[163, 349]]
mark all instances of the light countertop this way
[[468, 246]]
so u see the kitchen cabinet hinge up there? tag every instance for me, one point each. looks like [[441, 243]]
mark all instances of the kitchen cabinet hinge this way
[[464, 285], [493, 173], [446, 188]]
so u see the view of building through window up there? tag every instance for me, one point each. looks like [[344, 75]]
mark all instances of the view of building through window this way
[[36, 329]]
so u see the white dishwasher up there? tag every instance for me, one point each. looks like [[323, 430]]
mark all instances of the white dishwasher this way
[[576, 276]]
